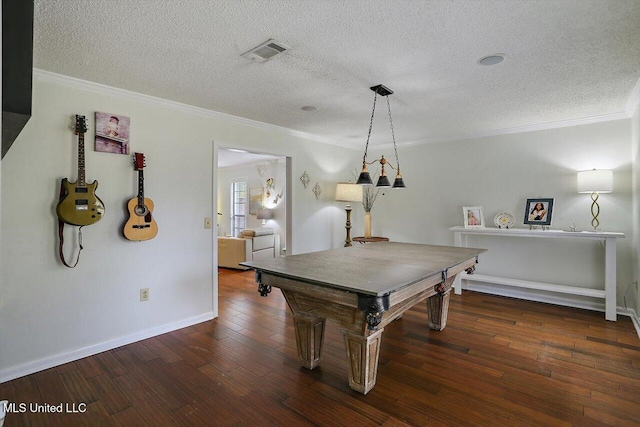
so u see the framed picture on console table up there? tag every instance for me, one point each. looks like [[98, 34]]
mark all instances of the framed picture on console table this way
[[538, 211], [473, 217]]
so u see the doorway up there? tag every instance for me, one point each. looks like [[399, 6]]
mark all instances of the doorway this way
[[248, 182], [268, 183]]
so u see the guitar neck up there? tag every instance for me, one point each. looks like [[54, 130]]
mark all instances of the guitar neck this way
[[140, 188], [81, 174]]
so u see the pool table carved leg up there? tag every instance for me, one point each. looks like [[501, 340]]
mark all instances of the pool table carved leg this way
[[309, 338], [362, 355], [438, 305]]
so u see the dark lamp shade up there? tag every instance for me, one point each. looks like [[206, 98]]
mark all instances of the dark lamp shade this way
[[383, 181], [364, 179], [264, 214], [399, 183]]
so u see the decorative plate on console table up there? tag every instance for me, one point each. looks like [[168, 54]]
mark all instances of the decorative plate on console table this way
[[504, 220]]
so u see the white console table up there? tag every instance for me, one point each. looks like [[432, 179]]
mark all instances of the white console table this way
[[460, 235]]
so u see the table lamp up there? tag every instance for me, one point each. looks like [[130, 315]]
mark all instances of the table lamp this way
[[348, 192], [264, 214], [595, 181]]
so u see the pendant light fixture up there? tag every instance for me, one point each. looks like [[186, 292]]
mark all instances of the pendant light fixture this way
[[365, 177]]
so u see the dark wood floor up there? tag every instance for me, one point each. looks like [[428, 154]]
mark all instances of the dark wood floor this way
[[499, 361]]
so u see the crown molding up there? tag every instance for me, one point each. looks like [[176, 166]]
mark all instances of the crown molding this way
[[632, 104], [509, 131], [634, 100], [85, 85], [47, 76], [526, 128]]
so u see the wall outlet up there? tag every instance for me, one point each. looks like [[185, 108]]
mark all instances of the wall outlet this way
[[144, 294], [207, 223]]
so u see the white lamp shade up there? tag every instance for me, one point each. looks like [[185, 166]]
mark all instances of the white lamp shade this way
[[595, 181], [348, 192], [264, 214]]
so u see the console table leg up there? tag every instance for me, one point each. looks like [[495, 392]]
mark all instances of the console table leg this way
[[362, 355], [610, 281], [458, 241]]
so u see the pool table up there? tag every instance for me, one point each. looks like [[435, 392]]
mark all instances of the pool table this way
[[362, 288]]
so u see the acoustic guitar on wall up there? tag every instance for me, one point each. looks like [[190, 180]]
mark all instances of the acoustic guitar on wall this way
[[141, 224], [78, 203]]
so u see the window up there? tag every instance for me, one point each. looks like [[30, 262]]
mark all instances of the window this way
[[238, 206]]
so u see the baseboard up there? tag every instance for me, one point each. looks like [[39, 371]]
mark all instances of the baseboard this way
[[634, 317], [531, 295], [28, 368], [566, 300]]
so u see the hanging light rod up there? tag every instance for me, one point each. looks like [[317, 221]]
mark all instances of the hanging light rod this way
[[365, 177]]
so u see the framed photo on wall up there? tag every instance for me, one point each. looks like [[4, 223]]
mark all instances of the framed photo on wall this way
[[112, 133], [473, 217], [538, 211], [255, 200]]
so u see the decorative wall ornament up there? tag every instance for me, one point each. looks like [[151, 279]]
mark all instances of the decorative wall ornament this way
[[277, 198], [305, 179], [261, 167], [270, 185], [317, 190]]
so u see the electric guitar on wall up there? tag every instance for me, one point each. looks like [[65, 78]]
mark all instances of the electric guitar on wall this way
[[78, 203], [141, 225]]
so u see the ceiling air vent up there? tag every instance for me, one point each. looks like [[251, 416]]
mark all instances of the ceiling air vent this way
[[265, 51]]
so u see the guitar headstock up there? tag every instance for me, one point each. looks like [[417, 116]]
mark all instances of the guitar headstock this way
[[81, 125], [138, 161]]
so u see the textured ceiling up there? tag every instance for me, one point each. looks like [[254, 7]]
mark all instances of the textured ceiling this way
[[566, 60]]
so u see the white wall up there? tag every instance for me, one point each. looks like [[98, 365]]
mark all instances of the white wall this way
[[635, 155], [500, 173], [51, 314]]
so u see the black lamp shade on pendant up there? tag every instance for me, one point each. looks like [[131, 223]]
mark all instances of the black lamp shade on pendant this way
[[364, 179], [399, 183], [383, 182]]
